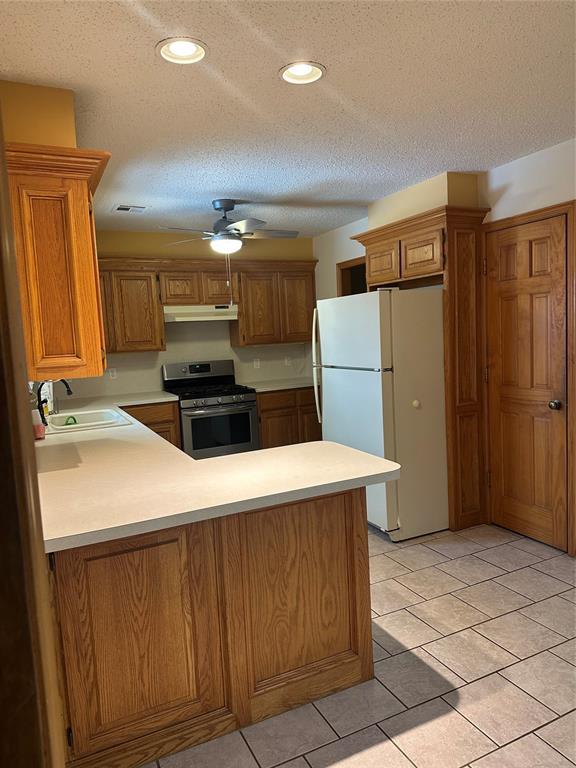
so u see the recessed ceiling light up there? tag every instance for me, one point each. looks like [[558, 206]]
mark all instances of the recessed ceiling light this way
[[181, 50], [302, 72]]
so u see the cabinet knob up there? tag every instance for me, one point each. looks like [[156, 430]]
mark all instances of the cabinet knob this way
[[416, 404], [555, 405]]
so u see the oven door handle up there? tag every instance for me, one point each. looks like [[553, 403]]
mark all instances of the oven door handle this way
[[217, 411]]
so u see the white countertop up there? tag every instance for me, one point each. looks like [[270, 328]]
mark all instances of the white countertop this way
[[105, 484], [278, 384]]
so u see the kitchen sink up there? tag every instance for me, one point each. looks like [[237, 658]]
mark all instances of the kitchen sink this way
[[76, 422]]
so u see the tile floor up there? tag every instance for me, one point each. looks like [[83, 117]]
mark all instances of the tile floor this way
[[475, 667]]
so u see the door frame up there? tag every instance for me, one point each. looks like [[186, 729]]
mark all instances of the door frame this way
[[341, 266], [567, 209]]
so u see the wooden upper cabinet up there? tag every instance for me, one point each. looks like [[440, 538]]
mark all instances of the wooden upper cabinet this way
[[137, 313], [275, 305], [183, 288], [422, 253], [215, 289], [50, 191], [259, 319], [140, 622], [383, 262], [296, 305]]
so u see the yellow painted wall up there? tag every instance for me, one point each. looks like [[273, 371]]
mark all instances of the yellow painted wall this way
[[155, 244], [450, 188], [36, 114]]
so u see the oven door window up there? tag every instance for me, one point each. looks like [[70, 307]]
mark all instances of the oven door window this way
[[221, 431]]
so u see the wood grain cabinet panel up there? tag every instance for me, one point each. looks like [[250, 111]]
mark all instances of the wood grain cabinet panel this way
[[137, 313], [288, 417], [183, 288], [259, 319], [297, 306], [215, 289], [162, 418], [422, 253], [141, 634], [383, 262], [57, 268]]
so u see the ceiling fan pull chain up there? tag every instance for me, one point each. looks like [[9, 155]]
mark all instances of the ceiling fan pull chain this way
[[229, 277]]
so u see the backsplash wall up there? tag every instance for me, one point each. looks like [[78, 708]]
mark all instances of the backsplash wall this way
[[140, 371]]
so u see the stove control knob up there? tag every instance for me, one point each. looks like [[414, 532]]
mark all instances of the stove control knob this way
[[240, 397], [194, 403], [234, 398], [219, 399], [202, 402]]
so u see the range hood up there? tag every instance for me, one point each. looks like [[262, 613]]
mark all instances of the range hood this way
[[195, 312]]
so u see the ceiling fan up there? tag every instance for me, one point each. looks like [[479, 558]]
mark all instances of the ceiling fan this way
[[226, 236]]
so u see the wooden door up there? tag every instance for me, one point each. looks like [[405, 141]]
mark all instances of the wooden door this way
[[179, 289], [58, 276], [422, 253], [138, 322], [297, 305], [141, 634], [383, 262], [107, 311], [310, 428], [260, 308], [527, 378]]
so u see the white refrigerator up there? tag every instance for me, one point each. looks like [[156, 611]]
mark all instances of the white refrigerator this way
[[378, 366]]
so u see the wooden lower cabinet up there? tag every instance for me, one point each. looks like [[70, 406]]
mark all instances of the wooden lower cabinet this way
[[175, 637], [162, 418], [288, 417]]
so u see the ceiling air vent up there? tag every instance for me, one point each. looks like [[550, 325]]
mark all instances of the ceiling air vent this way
[[131, 209]]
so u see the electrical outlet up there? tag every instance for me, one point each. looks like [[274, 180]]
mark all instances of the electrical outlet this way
[[256, 362], [112, 373], [287, 361]]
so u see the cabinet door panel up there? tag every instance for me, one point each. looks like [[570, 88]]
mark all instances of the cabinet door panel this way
[[141, 634], [383, 262], [58, 277], [309, 427], [182, 288], [215, 288], [297, 305], [138, 322], [279, 428], [422, 253], [260, 312], [162, 418]]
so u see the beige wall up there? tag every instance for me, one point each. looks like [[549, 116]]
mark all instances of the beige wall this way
[[36, 114], [332, 247], [134, 243], [450, 188], [535, 181], [140, 371]]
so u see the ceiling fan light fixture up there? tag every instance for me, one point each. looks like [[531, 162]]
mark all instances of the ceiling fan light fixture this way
[[226, 243], [302, 72], [181, 50]]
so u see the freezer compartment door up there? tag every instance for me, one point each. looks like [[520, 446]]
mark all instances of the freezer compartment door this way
[[355, 331], [358, 411]]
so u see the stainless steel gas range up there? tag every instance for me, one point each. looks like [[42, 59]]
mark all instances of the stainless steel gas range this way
[[218, 416]]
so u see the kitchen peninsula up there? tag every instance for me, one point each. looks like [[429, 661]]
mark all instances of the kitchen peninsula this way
[[196, 597]]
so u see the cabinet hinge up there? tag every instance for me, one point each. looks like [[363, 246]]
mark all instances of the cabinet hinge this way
[[69, 737], [484, 266], [489, 479], [486, 374], [51, 561]]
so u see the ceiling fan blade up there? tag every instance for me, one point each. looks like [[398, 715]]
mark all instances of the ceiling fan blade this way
[[188, 240], [246, 225], [262, 233], [181, 229]]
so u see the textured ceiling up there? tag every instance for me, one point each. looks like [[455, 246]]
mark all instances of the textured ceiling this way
[[412, 89]]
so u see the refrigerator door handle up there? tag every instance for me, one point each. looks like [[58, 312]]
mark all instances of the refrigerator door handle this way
[[317, 393], [315, 338]]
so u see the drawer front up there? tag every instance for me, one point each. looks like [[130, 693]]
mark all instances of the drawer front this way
[[422, 253], [305, 396], [383, 262], [178, 288], [269, 401], [155, 413]]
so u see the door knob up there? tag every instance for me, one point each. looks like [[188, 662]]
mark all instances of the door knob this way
[[555, 405]]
